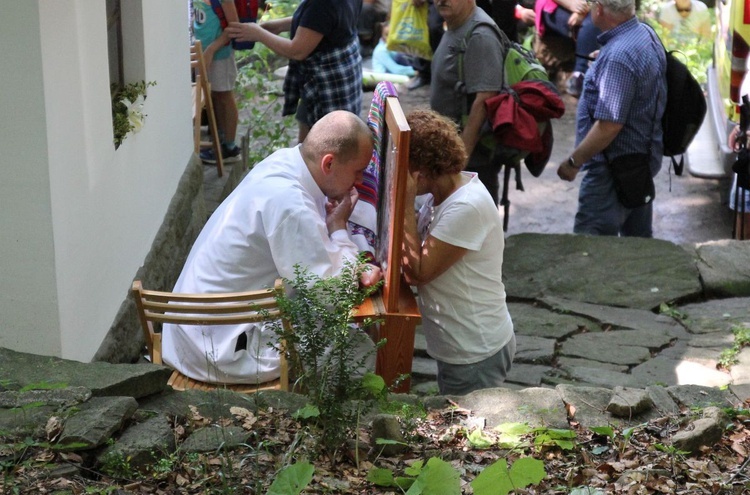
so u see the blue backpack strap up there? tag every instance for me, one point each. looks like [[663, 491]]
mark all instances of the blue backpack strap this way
[[219, 11]]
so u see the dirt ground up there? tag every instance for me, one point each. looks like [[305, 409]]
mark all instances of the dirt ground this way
[[693, 211]]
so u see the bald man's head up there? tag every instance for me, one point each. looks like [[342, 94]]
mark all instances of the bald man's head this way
[[336, 151], [340, 133]]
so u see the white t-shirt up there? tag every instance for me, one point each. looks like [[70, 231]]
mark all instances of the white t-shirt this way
[[273, 220], [464, 315], [696, 25]]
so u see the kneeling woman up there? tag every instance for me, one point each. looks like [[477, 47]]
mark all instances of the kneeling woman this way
[[453, 253]]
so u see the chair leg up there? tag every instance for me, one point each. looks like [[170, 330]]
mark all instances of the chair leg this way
[[214, 130], [197, 111]]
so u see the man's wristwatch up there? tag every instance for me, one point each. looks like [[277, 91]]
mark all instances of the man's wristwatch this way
[[572, 163]]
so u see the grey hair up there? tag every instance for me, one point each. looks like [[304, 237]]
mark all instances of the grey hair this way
[[619, 7]]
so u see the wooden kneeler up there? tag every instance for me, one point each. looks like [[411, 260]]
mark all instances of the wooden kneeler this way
[[201, 99]]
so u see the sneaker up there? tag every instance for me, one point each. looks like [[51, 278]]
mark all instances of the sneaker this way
[[574, 84], [229, 155], [417, 82]]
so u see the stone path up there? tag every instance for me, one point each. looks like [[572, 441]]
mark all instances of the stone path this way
[[600, 325]]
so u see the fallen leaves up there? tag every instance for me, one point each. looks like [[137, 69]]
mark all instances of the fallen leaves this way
[[631, 461]]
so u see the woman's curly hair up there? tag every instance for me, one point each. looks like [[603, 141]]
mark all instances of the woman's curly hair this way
[[435, 147]]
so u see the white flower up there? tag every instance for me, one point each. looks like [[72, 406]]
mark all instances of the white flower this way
[[135, 113]]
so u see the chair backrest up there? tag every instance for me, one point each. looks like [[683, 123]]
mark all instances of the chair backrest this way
[[206, 309]]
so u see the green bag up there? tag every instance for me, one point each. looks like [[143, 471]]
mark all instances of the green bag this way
[[519, 64]]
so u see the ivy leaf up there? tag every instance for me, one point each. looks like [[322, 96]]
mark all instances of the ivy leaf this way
[[605, 431], [478, 439], [511, 433], [555, 436], [403, 482], [498, 480], [380, 476], [372, 383], [309, 411], [437, 478], [414, 469], [292, 479]]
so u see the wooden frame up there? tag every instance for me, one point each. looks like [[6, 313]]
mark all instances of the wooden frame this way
[[396, 305], [208, 309]]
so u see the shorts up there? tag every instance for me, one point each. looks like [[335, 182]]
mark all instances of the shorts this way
[[223, 74], [460, 379]]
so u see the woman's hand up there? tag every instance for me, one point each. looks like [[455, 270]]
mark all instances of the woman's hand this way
[[241, 31], [576, 19], [580, 7], [527, 16]]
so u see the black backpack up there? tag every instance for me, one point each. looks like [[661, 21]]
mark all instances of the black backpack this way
[[685, 110]]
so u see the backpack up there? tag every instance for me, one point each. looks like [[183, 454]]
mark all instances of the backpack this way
[[684, 112], [247, 11], [519, 64]]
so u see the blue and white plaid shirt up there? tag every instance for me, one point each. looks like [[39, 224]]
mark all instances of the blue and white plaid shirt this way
[[626, 85]]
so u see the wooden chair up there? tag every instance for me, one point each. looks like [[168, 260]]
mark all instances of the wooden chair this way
[[201, 99], [208, 309]]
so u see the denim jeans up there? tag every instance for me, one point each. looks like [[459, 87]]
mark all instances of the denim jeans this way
[[601, 213]]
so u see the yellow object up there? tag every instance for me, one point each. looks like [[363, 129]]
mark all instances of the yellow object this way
[[409, 33]]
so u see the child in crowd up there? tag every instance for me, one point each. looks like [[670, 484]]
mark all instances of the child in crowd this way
[[387, 61]]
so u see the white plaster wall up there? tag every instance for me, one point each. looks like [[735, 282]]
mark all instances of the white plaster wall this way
[[28, 299], [108, 204]]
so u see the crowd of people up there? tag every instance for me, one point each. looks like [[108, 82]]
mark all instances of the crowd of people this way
[[292, 208]]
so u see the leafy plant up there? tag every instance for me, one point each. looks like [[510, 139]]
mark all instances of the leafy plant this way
[[116, 465], [497, 479], [697, 53], [728, 357], [279, 8], [127, 108], [666, 309], [323, 351], [292, 479], [438, 477], [512, 435], [546, 437], [259, 95]]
